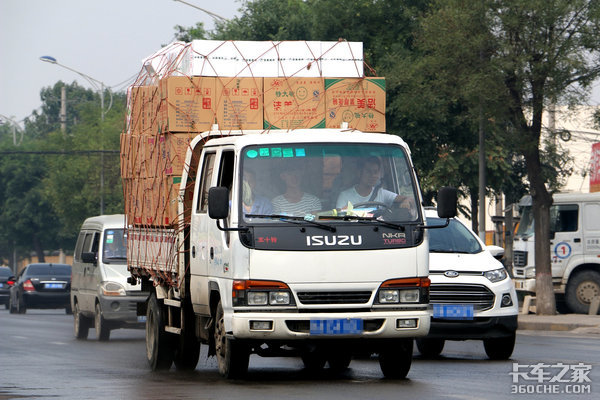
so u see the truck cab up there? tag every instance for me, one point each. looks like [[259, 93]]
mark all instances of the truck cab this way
[[574, 245]]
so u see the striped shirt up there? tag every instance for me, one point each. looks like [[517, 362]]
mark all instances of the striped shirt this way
[[307, 203]]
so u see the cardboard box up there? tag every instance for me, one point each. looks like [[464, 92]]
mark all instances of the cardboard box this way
[[141, 109], [186, 104], [292, 103], [359, 102], [239, 103]]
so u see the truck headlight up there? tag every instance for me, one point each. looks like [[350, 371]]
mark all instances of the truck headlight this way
[[388, 296], [257, 298], [112, 289], [279, 298], [530, 272], [409, 296], [261, 293], [403, 290], [496, 275]]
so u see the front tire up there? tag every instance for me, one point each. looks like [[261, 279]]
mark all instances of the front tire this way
[[159, 343], [233, 356], [102, 329], [581, 290], [499, 348], [395, 358], [430, 348], [81, 324]]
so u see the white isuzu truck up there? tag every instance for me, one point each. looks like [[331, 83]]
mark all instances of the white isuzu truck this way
[[574, 246], [280, 252]]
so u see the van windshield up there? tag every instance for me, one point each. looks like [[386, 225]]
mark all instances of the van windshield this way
[[327, 182], [114, 246]]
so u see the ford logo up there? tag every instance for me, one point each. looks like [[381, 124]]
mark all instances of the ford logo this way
[[451, 274]]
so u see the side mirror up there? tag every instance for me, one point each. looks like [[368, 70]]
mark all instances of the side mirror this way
[[88, 258], [218, 202], [446, 202]]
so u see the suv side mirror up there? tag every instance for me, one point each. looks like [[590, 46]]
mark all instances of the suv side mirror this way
[[88, 258], [218, 202], [447, 200]]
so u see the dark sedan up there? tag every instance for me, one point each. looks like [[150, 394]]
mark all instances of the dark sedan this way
[[41, 285], [5, 284]]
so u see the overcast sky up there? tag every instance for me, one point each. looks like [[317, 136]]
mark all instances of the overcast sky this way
[[105, 39]]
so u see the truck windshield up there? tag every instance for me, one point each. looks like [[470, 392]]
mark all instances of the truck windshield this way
[[526, 227], [323, 181], [114, 246]]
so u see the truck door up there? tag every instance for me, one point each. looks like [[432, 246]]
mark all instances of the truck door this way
[[199, 248], [219, 260], [565, 223]]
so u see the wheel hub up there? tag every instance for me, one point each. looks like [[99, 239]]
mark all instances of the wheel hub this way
[[587, 291]]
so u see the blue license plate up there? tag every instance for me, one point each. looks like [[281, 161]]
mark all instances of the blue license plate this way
[[453, 311], [141, 318], [2, 285], [348, 326], [53, 285]]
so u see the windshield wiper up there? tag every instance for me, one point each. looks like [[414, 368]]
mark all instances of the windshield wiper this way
[[361, 219], [293, 220]]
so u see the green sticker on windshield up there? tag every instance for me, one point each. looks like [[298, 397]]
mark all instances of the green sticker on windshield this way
[[288, 152], [300, 153], [251, 153], [276, 152], [263, 152]]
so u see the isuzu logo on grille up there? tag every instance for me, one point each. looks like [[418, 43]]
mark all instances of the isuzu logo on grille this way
[[335, 240], [451, 274]]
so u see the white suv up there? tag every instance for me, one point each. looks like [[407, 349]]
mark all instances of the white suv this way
[[471, 294]]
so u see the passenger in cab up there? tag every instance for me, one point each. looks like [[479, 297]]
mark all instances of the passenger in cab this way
[[294, 201]]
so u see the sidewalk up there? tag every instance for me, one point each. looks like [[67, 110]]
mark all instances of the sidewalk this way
[[574, 323]]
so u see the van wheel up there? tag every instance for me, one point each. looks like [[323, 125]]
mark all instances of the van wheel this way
[[499, 348], [81, 324], [159, 343], [430, 348], [232, 356], [187, 346], [102, 329], [395, 358], [581, 290]]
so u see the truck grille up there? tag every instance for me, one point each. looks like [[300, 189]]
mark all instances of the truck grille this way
[[480, 296], [519, 258], [334, 297]]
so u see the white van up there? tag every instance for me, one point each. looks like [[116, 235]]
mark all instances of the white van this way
[[100, 293]]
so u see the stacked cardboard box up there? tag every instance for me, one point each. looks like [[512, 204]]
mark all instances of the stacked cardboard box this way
[[169, 108]]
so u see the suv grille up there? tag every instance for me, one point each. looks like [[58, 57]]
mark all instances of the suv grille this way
[[519, 258], [480, 296], [334, 297]]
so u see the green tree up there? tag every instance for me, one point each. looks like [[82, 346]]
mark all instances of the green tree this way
[[518, 57]]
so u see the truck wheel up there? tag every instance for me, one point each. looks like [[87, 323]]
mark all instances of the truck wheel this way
[[232, 356], [499, 348], [581, 289], [187, 346], [159, 343], [81, 324], [395, 358], [102, 329], [430, 348]]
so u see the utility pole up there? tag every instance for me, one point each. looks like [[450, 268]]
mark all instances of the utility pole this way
[[63, 110]]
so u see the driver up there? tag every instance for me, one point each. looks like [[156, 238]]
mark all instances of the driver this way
[[368, 188]]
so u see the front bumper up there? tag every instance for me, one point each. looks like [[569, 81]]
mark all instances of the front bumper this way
[[296, 326], [122, 309], [477, 328]]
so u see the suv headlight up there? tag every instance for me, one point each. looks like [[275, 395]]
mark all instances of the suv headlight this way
[[112, 289], [496, 275]]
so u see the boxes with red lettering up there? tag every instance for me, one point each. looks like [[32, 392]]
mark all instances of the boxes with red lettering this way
[[358, 102], [292, 103]]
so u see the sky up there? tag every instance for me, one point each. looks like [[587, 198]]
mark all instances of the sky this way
[[105, 39]]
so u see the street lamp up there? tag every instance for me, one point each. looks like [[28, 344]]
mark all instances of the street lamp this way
[[100, 87], [212, 14]]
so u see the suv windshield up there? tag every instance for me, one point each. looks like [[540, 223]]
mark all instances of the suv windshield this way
[[455, 238], [323, 182], [114, 246]]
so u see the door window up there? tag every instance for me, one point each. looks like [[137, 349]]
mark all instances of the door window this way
[[205, 180], [564, 218]]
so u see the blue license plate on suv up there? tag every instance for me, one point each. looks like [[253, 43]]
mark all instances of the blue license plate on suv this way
[[453, 311]]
